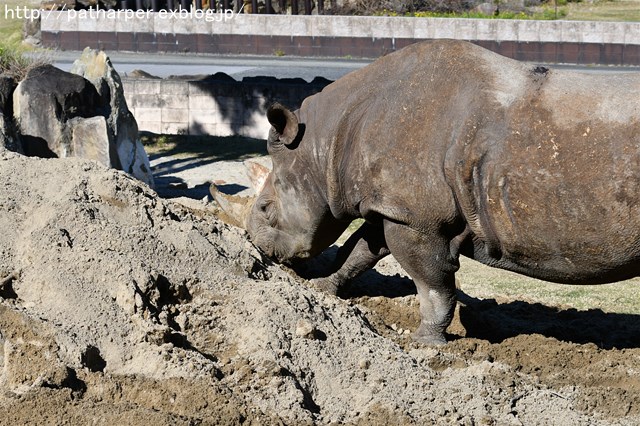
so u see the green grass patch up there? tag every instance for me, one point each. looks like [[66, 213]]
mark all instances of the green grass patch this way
[[604, 10], [13, 62], [204, 148], [489, 283], [597, 10], [12, 59], [10, 25]]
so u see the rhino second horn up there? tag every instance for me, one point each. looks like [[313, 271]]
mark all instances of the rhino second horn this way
[[257, 173], [234, 208]]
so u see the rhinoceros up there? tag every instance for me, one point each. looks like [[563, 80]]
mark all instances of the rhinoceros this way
[[447, 149]]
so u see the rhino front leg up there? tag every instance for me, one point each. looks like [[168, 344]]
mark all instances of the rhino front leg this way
[[428, 260], [359, 253]]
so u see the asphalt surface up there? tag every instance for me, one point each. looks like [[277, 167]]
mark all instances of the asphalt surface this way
[[166, 65]]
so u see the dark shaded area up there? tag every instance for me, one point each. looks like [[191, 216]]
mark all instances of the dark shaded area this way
[[231, 188], [34, 146], [489, 320], [73, 382], [6, 287], [370, 284], [72, 95], [7, 86], [92, 359], [239, 101], [540, 70]]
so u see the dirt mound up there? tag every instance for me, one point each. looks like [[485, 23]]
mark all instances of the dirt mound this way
[[119, 307]]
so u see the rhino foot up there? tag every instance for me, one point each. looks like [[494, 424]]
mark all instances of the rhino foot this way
[[429, 336], [325, 285]]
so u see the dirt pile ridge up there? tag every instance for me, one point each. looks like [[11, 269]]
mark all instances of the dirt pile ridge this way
[[117, 306]]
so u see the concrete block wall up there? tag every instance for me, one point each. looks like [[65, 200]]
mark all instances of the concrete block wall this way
[[357, 36], [218, 106]]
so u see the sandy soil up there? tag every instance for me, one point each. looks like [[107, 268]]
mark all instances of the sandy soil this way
[[120, 307]]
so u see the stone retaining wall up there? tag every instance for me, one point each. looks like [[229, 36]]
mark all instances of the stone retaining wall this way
[[219, 106], [357, 36]]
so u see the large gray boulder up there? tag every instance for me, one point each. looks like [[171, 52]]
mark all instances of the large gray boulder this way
[[44, 102], [80, 114], [122, 127]]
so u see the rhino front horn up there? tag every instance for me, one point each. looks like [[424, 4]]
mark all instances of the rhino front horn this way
[[234, 208], [257, 173]]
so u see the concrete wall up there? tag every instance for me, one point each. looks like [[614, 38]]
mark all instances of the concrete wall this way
[[218, 106], [357, 36]]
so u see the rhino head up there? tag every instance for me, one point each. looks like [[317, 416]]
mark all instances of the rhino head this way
[[290, 217]]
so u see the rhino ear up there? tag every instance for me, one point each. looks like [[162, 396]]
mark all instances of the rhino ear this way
[[284, 124]]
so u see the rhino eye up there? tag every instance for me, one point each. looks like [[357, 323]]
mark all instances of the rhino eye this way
[[264, 205], [267, 208]]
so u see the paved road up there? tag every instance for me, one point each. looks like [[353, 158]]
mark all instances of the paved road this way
[[165, 65], [238, 67]]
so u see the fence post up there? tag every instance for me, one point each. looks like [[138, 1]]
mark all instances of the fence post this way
[[320, 7], [307, 7], [294, 7], [254, 6], [199, 4], [184, 4]]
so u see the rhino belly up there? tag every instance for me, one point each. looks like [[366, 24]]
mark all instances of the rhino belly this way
[[561, 229]]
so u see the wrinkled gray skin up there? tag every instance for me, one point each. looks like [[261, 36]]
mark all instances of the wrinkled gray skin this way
[[447, 149]]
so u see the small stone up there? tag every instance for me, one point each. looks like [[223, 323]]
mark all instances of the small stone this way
[[305, 329]]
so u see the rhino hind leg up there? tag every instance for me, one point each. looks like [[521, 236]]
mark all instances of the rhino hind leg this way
[[359, 253], [428, 260]]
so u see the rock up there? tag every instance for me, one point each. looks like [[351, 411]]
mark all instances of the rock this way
[[31, 34], [89, 139], [141, 74], [122, 126], [58, 4], [102, 4], [8, 137], [81, 114], [488, 9], [43, 103]]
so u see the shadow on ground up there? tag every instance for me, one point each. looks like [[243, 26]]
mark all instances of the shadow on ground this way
[[495, 320], [173, 155]]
